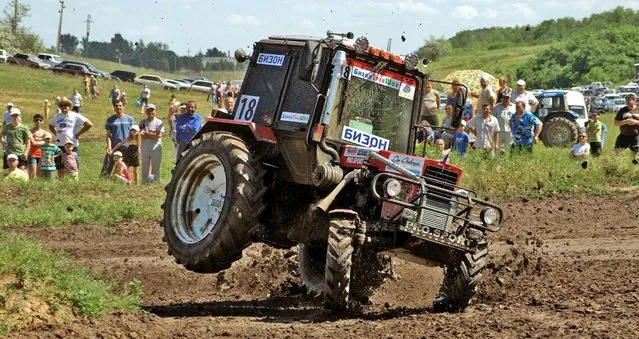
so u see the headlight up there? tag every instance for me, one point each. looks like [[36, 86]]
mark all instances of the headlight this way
[[489, 215], [393, 187], [361, 44], [410, 61]]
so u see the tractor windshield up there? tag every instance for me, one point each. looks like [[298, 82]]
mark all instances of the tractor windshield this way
[[377, 108]]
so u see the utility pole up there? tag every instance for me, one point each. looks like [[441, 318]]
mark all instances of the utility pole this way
[[389, 44], [86, 48], [57, 45]]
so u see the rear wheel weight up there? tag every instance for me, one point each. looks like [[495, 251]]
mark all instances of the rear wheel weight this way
[[339, 261], [212, 203]]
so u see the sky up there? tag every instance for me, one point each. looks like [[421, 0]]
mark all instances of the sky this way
[[190, 26]]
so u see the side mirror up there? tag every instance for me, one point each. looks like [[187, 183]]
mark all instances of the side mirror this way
[[240, 55], [459, 106], [309, 62]]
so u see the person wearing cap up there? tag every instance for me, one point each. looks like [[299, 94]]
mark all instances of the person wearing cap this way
[[461, 139], [503, 111], [186, 126], [120, 170], [131, 151], [525, 128], [18, 139], [486, 129], [70, 161], [118, 128], [627, 119], [35, 153], [594, 130], [430, 104], [6, 118], [13, 172], [95, 92], [49, 152], [67, 125], [152, 131], [522, 95]]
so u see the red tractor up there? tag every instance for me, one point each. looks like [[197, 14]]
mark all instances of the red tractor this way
[[318, 153]]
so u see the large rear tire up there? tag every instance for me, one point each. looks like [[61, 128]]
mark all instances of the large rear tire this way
[[213, 202], [559, 132], [339, 261], [461, 280]]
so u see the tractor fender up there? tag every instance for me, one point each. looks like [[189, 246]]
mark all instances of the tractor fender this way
[[245, 129], [570, 115]]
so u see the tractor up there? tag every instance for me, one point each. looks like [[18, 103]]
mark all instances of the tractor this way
[[563, 114], [318, 153]]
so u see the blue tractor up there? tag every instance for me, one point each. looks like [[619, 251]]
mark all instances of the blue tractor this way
[[563, 113]]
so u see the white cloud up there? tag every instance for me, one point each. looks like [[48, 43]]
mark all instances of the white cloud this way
[[489, 13], [403, 6], [237, 19], [466, 11]]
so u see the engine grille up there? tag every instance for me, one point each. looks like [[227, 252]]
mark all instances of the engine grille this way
[[439, 201]]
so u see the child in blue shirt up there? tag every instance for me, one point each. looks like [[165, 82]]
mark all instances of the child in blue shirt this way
[[461, 139]]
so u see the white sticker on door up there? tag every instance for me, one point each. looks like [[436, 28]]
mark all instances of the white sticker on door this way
[[270, 59], [299, 118]]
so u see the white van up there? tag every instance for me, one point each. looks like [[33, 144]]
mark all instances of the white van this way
[[51, 59]]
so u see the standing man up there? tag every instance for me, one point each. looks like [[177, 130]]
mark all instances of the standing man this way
[[226, 111], [6, 117], [114, 96], [628, 121], [430, 105], [486, 95], [145, 95], [522, 95], [503, 111], [525, 128], [76, 99], [117, 127], [186, 125], [152, 131], [18, 140], [67, 125], [486, 129]]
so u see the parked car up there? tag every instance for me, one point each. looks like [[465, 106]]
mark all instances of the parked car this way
[[88, 66], [602, 105], [154, 80], [193, 79], [123, 75], [50, 59], [617, 104], [28, 60], [73, 69], [179, 84], [203, 86], [3, 56]]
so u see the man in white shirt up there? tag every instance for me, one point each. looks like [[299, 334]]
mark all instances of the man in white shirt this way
[[486, 129], [67, 125], [76, 99], [486, 95], [502, 112], [6, 118], [522, 95], [145, 95]]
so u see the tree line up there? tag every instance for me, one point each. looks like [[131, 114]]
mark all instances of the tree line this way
[[14, 37], [601, 47]]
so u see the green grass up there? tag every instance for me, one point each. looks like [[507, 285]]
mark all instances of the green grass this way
[[496, 62], [34, 276]]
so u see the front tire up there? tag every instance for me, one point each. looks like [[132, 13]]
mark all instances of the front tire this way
[[213, 202], [339, 261], [461, 280]]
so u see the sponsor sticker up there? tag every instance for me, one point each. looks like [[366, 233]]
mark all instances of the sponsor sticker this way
[[410, 162], [354, 151], [376, 77], [270, 59], [355, 160], [299, 118], [364, 139], [406, 91]]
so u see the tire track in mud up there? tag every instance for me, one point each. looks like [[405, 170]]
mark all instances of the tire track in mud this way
[[555, 270]]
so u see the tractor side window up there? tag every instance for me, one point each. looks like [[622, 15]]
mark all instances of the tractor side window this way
[[260, 95]]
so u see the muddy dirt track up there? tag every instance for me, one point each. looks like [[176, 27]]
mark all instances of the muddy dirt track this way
[[561, 267]]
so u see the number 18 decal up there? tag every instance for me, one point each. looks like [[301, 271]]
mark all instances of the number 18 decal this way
[[246, 107]]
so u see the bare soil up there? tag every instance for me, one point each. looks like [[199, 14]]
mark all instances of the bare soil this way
[[565, 266]]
